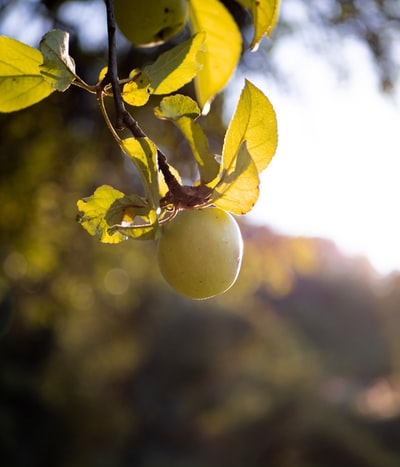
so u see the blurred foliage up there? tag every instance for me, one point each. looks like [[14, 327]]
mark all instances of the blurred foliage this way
[[325, 28], [102, 365]]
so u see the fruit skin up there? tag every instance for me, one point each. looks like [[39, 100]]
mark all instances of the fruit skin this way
[[200, 252], [150, 22]]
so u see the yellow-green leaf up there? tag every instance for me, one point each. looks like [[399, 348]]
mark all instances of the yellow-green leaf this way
[[183, 111], [176, 67], [254, 121], [21, 83], [138, 232], [99, 213], [162, 184], [137, 91], [177, 106], [194, 134], [265, 15], [238, 188], [58, 67], [103, 73], [145, 228], [223, 47], [143, 154]]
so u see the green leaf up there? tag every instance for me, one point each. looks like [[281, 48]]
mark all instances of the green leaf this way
[[183, 111], [265, 17], [162, 184], [107, 207], [176, 67], [238, 188], [194, 134], [223, 47], [177, 106], [250, 143], [58, 67], [254, 121], [21, 83], [147, 227], [172, 70], [143, 154], [137, 91]]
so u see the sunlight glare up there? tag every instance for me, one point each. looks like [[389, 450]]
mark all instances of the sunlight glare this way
[[335, 174]]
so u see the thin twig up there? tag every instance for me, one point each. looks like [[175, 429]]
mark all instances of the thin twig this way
[[112, 71], [123, 117], [100, 99]]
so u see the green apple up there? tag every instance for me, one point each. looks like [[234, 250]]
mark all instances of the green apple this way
[[200, 252], [150, 22]]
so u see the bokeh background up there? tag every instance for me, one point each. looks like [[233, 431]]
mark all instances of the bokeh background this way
[[102, 365]]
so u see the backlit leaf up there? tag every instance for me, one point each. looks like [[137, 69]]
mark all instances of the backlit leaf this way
[[254, 121], [176, 67], [177, 106], [223, 47], [162, 185], [194, 134], [58, 67], [106, 208], [265, 16], [145, 228], [21, 83], [183, 111], [238, 188], [143, 154], [103, 73], [137, 91]]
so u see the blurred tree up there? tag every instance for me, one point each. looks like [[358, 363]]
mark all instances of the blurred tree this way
[[324, 27]]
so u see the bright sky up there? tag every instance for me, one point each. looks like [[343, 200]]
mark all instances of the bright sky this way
[[336, 173]]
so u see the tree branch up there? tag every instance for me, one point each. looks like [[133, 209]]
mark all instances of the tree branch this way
[[177, 192], [112, 71]]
